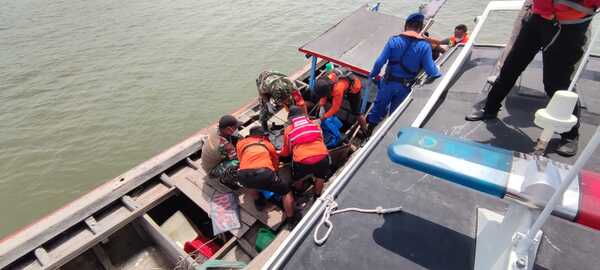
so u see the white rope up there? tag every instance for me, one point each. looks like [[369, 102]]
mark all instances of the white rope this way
[[195, 256], [330, 210]]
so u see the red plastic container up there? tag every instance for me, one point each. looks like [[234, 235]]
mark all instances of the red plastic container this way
[[201, 245]]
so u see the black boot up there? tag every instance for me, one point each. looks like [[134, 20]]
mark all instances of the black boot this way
[[481, 115], [370, 129], [293, 221], [567, 147], [230, 178], [260, 203]]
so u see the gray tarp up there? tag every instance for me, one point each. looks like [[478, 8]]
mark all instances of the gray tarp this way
[[356, 41]]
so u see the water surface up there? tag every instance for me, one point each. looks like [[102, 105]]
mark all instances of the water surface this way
[[89, 89]]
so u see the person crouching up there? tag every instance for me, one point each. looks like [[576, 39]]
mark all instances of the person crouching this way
[[259, 164], [304, 140]]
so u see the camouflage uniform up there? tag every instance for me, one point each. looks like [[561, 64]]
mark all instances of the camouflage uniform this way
[[218, 154], [274, 91], [221, 168]]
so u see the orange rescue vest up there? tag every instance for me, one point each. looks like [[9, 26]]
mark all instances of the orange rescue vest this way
[[574, 11], [255, 153], [303, 131], [337, 74], [453, 40]]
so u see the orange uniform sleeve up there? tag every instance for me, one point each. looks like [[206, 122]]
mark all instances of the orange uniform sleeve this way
[[273, 154], [338, 98], [356, 86], [285, 149], [323, 101]]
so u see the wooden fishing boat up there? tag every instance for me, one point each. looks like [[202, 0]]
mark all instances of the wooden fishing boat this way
[[147, 217]]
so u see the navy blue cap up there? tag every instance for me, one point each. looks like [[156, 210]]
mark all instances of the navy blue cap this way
[[415, 17]]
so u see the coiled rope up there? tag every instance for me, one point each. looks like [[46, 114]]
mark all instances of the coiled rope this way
[[330, 210]]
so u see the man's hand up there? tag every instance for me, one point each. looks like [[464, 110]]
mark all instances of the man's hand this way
[[362, 121], [433, 41]]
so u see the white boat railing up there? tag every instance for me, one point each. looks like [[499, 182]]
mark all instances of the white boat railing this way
[[584, 60], [284, 251], [462, 57]]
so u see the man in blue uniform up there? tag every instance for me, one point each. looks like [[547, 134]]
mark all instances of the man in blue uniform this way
[[405, 54]]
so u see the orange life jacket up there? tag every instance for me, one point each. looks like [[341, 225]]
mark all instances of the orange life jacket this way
[[453, 40], [343, 74], [303, 151], [575, 11], [303, 131], [255, 153], [412, 34]]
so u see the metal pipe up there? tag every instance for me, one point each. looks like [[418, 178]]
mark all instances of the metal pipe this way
[[585, 59], [291, 242], [313, 74], [588, 151], [365, 97]]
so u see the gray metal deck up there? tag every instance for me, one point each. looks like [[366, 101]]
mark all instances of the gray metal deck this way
[[438, 226]]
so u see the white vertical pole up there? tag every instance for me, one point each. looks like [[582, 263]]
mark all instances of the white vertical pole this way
[[588, 151], [585, 59]]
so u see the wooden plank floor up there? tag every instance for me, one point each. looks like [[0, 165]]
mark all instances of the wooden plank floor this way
[[272, 217]]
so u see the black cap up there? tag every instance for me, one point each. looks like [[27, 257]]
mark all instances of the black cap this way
[[228, 121], [323, 87], [295, 111], [257, 131], [415, 17]]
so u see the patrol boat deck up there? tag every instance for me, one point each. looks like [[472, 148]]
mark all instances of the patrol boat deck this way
[[437, 227]]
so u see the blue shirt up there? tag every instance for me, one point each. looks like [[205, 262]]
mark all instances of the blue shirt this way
[[418, 56]]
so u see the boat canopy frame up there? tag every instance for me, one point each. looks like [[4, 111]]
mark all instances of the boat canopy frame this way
[[351, 42]]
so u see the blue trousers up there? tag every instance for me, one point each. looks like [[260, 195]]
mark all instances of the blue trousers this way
[[389, 97]]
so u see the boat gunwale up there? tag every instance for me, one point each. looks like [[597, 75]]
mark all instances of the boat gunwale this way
[[26, 239]]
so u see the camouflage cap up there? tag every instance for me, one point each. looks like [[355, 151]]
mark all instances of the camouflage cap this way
[[276, 85]]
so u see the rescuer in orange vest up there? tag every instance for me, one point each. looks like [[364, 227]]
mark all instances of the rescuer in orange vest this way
[[340, 83], [557, 28], [303, 139], [439, 47], [460, 36], [259, 164]]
